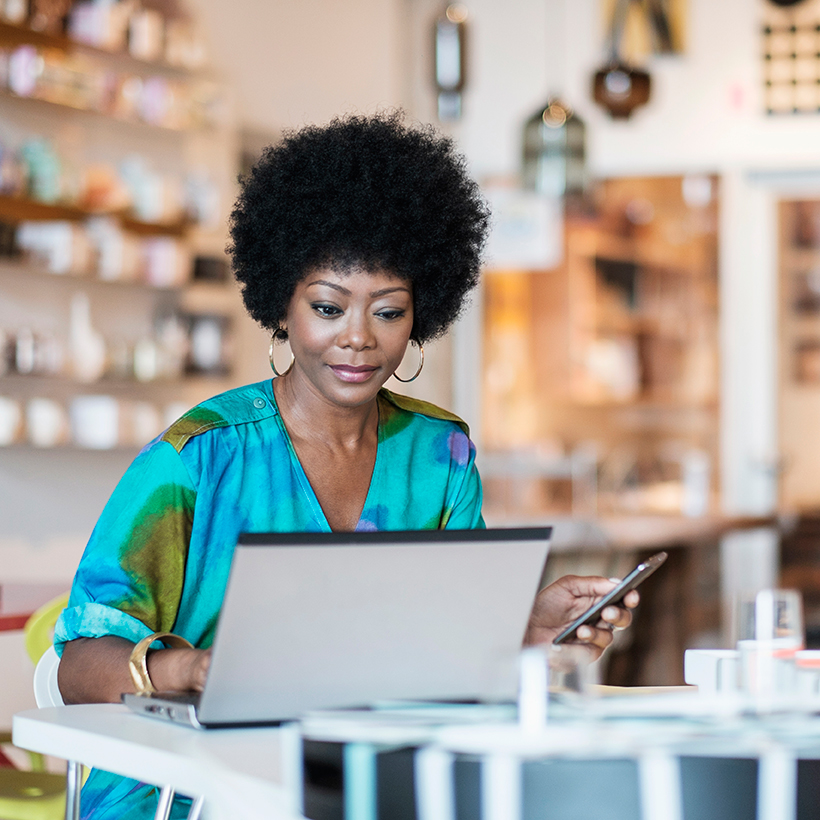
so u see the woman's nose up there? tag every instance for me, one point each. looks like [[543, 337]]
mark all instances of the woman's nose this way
[[357, 333]]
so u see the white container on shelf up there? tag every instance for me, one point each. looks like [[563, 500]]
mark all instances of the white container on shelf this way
[[95, 422], [46, 423], [62, 247], [146, 422], [88, 349]]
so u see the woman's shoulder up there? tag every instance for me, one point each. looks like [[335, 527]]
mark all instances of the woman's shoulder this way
[[241, 405], [408, 407]]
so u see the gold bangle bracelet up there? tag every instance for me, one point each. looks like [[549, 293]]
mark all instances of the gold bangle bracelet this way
[[138, 665]]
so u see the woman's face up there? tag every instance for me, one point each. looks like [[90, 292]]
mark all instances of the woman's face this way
[[349, 331]]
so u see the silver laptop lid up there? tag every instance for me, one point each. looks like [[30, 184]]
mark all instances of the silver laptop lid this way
[[325, 620]]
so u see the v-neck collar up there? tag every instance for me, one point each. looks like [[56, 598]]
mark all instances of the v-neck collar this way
[[304, 482]]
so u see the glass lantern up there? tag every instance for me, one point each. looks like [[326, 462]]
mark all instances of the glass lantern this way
[[450, 60], [555, 153]]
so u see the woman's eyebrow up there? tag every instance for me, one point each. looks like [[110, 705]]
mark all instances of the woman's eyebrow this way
[[384, 291], [373, 294], [333, 285]]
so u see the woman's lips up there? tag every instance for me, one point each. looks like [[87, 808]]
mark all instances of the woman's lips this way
[[349, 373]]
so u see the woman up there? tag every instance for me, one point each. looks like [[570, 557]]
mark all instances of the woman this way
[[352, 242]]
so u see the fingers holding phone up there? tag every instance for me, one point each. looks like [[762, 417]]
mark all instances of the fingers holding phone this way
[[586, 610], [565, 601], [612, 617], [602, 609]]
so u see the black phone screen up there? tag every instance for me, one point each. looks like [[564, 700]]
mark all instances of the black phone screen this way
[[614, 596]]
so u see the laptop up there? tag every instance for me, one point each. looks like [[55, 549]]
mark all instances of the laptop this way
[[357, 619]]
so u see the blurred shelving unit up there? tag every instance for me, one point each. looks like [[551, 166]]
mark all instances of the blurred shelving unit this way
[[799, 402], [614, 354], [601, 412], [799, 355], [148, 154]]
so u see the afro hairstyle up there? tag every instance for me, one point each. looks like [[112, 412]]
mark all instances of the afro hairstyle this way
[[360, 193]]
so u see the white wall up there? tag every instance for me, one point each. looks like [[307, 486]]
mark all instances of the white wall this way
[[299, 61], [705, 111]]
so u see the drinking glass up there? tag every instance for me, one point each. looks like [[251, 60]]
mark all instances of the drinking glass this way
[[563, 671], [770, 633], [571, 670]]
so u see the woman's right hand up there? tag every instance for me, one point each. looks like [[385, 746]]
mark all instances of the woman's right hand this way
[[178, 670], [95, 670]]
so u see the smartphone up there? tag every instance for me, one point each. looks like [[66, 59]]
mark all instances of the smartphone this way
[[614, 596]]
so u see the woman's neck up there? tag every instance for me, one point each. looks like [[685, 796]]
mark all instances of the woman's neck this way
[[310, 417]]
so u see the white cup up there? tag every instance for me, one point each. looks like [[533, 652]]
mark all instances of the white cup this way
[[95, 422], [770, 633], [146, 422], [767, 667], [712, 670], [46, 422]]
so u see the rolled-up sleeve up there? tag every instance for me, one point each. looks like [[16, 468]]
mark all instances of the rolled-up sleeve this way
[[130, 578]]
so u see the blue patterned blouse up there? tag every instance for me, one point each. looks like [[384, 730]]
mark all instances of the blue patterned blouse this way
[[159, 556]]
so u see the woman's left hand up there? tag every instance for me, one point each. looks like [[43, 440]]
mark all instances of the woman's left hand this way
[[559, 604]]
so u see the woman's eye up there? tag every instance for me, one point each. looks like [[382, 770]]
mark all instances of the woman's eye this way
[[390, 315], [327, 310]]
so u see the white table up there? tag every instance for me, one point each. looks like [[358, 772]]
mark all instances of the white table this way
[[257, 773], [248, 773]]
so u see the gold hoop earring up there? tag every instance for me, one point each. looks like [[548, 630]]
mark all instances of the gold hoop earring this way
[[416, 374], [276, 333]]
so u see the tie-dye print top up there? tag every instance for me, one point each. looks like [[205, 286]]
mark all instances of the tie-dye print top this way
[[159, 557]]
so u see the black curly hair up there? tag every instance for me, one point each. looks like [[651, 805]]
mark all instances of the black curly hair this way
[[365, 192]]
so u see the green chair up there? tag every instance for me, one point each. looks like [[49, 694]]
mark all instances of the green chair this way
[[35, 794]]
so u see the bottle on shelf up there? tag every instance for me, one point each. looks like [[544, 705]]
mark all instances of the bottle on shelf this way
[[86, 345]]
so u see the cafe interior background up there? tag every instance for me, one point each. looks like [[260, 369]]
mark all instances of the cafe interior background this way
[[640, 367]]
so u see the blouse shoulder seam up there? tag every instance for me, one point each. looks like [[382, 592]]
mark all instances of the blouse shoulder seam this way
[[226, 410], [179, 440], [424, 408]]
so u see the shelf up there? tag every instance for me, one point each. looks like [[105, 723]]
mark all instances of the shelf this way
[[20, 209], [59, 108], [27, 448], [661, 257], [661, 405], [13, 35], [609, 323], [209, 385], [803, 324], [21, 268], [799, 259]]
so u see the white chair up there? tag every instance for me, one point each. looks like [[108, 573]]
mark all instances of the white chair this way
[[46, 690], [47, 693]]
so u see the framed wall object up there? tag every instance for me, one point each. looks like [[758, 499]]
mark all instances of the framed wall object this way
[[790, 54]]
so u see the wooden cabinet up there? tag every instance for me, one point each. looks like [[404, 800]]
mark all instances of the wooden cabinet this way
[[116, 174], [799, 402], [799, 354], [612, 356]]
